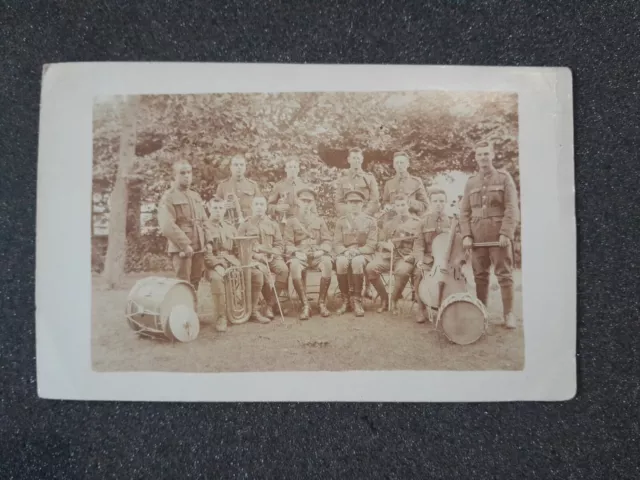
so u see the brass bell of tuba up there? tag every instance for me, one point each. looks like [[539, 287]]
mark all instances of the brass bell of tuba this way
[[237, 282]]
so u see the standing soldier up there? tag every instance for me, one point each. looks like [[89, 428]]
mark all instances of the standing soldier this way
[[268, 252], [218, 258], [406, 184], [435, 223], [354, 240], [181, 217], [357, 179], [489, 212], [282, 201], [308, 241], [238, 190], [397, 235]]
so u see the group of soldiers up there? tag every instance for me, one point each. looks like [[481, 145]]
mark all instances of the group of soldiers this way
[[292, 237]]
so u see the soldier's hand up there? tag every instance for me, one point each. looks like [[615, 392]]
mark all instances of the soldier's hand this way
[[504, 241], [420, 265], [301, 256], [260, 257], [388, 245], [220, 270], [188, 252], [209, 248], [408, 258], [467, 243], [318, 253]]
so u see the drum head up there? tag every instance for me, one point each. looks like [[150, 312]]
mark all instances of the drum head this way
[[183, 323], [463, 322]]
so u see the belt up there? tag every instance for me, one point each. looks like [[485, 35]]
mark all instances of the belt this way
[[487, 212]]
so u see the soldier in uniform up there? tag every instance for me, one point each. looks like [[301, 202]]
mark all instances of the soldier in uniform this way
[[218, 258], [357, 179], [354, 242], [433, 224], [489, 212], [238, 186], [397, 234], [282, 201], [406, 184], [268, 252], [182, 217], [308, 243]]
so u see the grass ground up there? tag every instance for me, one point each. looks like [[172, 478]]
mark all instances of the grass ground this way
[[374, 342]]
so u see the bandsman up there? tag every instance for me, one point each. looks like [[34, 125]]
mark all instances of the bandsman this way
[[238, 190], [181, 218], [268, 252], [357, 179], [489, 212], [282, 200], [218, 258], [308, 244], [354, 242], [397, 235], [405, 184], [433, 224]]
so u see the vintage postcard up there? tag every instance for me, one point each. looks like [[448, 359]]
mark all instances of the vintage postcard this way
[[261, 232]]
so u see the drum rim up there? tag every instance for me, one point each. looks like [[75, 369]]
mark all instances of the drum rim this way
[[193, 317], [469, 298]]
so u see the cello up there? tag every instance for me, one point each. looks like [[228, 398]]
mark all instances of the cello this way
[[444, 290]]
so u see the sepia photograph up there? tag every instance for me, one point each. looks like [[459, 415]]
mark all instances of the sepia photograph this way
[[241, 232], [306, 231]]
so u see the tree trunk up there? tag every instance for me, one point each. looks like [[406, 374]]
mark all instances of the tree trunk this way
[[117, 246], [134, 210]]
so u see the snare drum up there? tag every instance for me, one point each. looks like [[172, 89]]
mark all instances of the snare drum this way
[[463, 318], [163, 308]]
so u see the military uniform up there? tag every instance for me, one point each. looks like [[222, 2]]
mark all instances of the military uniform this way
[[411, 186], [245, 189], [433, 225], [221, 257], [181, 218], [489, 209], [363, 182], [306, 236], [285, 191], [270, 238], [354, 242], [403, 230]]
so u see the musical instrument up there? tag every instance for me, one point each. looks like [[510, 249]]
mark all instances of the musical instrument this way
[[270, 252], [164, 309], [233, 215], [237, 282], [463, 318]]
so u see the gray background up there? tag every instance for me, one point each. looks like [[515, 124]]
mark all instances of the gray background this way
[[594, 436]]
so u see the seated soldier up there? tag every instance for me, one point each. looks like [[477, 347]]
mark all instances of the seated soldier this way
[[218, 257], [398, 234], [268, 252], [434, 223], [308, 243], [354, 240]]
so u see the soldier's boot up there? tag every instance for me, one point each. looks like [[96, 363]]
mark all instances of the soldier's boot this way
[[382, 293], [343, 285], [396, 295], [482, 292], [302, 295], [218, 312], [358, 280], [507, 306], [255, 310], [268, 295], [322, 296]]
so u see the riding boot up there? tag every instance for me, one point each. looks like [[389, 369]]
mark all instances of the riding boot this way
[[507, 306], [268, 295], [218, 313], [358, 280], [255, 311], [322, 296], [382, 293], [343, 285], [482, 292], [398, 288], [302, 295]]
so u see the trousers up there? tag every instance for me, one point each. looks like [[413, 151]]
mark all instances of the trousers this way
[[296, 267], [189, 269]]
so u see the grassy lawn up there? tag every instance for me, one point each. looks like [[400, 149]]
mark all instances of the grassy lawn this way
[[374, 342]]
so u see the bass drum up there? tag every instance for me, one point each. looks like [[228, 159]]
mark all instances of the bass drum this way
[[463, 318], [163, 308]]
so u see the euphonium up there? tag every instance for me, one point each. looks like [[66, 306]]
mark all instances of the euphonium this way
[[234, 215], [237, 282]]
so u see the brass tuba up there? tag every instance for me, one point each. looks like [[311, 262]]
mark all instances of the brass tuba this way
[[237, 282]]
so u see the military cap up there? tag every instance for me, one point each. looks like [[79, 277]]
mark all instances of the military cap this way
[[354, 193], [400, 154], [306, 192]]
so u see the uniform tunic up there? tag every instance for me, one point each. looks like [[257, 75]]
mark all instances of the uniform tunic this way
[[245, 189], [411, 186], [406, 229], [285, 191], [363, 182], [433, 225], [307, 235], [270, 237]]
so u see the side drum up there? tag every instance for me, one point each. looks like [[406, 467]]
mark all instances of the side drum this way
[[163, 308], [463, 318]]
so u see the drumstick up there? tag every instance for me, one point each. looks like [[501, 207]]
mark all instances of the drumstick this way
[[486, 244]]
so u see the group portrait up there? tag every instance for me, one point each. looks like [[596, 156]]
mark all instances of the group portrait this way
[[320, 231]]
